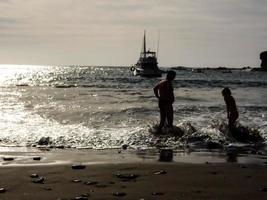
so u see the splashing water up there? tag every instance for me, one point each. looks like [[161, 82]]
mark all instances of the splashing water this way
[[97, 107]]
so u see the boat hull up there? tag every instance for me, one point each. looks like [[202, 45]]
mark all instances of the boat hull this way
[[147, 72]]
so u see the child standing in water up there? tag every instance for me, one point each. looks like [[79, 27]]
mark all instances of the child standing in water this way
[[164, 92], [232, 113]]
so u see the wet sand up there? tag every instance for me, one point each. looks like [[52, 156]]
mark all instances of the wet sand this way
[[177, 181]]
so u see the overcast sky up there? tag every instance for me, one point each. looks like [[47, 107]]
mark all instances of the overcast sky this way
[[206, 33]]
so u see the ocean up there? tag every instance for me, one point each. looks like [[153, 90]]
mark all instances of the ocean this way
[[107, 107]]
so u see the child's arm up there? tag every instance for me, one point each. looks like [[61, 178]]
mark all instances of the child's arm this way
[[156, 90], [227, 102]]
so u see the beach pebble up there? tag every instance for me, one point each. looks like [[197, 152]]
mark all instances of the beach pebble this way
[[100, 185], [48, 188], [34, 175], [90, 182], [157, 193], [8, 158], [85, 195], [214, 173], [36, 158], [80, 198], [127, 176], [263, 189], [2, 190], [76, 181], [160, 172], [39, 180], [119, 194], [78, 166]]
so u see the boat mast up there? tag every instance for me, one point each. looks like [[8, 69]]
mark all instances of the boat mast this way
[[144, 47], [158, 45]]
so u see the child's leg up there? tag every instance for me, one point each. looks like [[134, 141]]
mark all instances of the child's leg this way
[[170, 115], [162, 116], [232, 122]]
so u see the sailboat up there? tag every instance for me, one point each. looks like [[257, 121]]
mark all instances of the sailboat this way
[[147, 64]]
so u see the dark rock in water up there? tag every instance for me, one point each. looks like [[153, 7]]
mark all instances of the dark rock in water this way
[[44, 141], [213, 145], [90, 182], [247, 135], [263, 57], [2, 190], [36, 158], [39, 180], [119, 194], [22, 85], [44, 148], [166, 155], [174, 131], [34, 175], [60, 147], [195, 137], [127, 176], [78, 166], [160, 172], [64, 86], [8, 158], [124, 147]]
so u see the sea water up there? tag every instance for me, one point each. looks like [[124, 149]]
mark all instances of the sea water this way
[[107, 107]]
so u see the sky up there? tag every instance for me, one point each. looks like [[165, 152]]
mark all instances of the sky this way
[[193, 33]]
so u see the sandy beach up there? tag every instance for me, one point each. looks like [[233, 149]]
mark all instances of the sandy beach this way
[[131, 180]]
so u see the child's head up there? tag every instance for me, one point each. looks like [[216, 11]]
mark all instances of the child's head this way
[[170, 75], [226, 92]]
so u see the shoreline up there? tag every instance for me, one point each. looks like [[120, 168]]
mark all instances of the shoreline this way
[[22, 156]]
